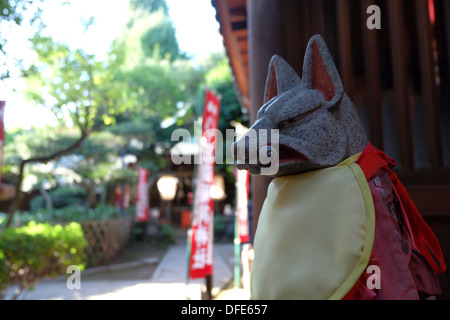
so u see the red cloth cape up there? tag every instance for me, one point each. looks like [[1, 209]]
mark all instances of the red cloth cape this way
[[371, 161]]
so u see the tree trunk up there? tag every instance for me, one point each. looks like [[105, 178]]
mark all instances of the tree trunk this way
[[91, 199], [48, 199]]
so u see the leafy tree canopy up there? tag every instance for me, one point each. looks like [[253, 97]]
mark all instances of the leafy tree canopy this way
[[74, 85], [150, 5], [13, 13], [160, 38], [129, 103]]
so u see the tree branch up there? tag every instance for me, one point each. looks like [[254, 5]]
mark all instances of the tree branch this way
[[44, 159]]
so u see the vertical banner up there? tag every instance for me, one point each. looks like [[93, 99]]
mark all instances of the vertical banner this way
[[243, 177], [142, 196], [201, 253], [2, 138]]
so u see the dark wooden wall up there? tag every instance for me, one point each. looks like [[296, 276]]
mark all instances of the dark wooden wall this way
[[398, 78]]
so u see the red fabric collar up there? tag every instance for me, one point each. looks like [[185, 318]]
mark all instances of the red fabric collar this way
[[370, 161]]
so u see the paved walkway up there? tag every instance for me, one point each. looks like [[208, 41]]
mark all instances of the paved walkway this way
[[167, 282]]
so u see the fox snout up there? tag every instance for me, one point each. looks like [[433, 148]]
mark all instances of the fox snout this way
[[245, 158], [256, 150]]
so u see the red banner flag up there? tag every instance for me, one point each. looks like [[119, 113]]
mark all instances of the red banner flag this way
[[142, 196], [201, 258]]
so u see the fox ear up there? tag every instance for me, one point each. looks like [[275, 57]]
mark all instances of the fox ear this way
[[320, 73], [280, 78]]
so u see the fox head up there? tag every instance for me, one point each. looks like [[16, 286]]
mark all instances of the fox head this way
[[305, 123]]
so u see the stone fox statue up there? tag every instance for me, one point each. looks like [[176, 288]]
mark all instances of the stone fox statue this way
[[336, 222]]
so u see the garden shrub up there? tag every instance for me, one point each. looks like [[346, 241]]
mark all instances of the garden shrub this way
[[61, 197], [168, 235], [39, 250], [75, 213]]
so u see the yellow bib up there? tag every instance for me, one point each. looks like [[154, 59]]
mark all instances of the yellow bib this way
[[315, 234]]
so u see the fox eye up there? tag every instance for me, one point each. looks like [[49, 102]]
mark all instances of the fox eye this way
[[292, 120], [284, 123]]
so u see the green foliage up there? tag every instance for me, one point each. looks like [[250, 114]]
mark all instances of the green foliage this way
[[61, 197], [159, 39], [219, 226], [156, 87], [12, 12], [79, 85], [122, 176], [149, 34], [97, 160], [37, 142], [162, 91], [69, 214], [95, 163], [37, 250], [34, 144], [168, 235], [99, 147], [161, 83], [136, 97], [150, 5], [147, 140]]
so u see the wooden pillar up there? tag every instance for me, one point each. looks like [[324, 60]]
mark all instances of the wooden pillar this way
[[399, 68], [372, 76], [429, 88], [293, 25], [265, 27], [344, 45], [446, 6], [318, 21]]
